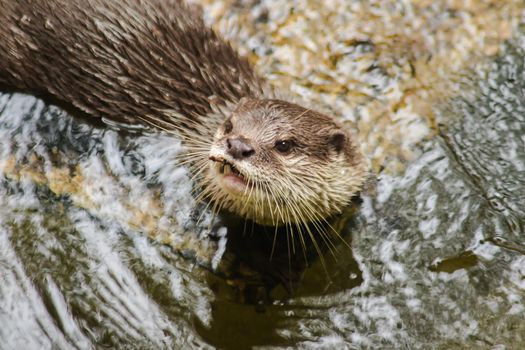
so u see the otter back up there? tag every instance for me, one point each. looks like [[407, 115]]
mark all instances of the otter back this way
[[120, 59]]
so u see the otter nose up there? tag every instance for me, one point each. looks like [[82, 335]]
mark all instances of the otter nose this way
[[238, 148]]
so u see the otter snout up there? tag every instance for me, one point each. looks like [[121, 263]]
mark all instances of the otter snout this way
[[239, 148]]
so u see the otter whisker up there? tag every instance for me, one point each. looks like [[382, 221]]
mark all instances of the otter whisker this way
[[250, 186], [203, 212], [281, 164], [313, 218], [299, 225], [274, 241], [190, 161], [193, 154], [198, 172], [192, 140], [302, 222], [268, 196]]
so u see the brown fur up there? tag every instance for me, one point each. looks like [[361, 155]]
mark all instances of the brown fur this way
[[120, 59], [314, 180], [155, 62]]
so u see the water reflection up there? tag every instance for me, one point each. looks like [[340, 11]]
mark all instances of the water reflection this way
[[100, 242], [79, 202]]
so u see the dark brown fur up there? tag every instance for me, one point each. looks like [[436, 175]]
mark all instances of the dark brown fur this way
[[84, 52], [156, 63]]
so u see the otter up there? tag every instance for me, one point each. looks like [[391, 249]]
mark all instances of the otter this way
[[155, 63]]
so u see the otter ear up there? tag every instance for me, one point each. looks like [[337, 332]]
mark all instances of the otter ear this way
[[338, 141]]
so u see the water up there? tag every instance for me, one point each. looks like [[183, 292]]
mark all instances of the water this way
[[102, 245]]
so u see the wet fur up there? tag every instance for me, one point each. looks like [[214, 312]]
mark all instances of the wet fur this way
[[120, 59], [156, 63], [313, 181]]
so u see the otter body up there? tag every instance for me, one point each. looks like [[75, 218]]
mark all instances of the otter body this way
[[120, 59], [156, 63]]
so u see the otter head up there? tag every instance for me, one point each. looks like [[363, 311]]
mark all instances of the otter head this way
[[278, 163]]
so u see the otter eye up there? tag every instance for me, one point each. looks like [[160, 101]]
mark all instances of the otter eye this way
[[283, 146], [228, 126]]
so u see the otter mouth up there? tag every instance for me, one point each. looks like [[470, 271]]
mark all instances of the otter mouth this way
[[227, 168], [232, 179]]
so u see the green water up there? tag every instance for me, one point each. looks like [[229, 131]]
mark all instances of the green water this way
[[436, 258]]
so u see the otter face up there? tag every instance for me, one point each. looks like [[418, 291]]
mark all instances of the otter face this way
[[277, 163]]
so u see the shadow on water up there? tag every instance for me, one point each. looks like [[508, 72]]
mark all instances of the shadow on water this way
[[265, 269], [98, 280], [98, 248]]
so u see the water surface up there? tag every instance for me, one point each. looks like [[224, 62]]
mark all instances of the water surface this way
[[102, 244]]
